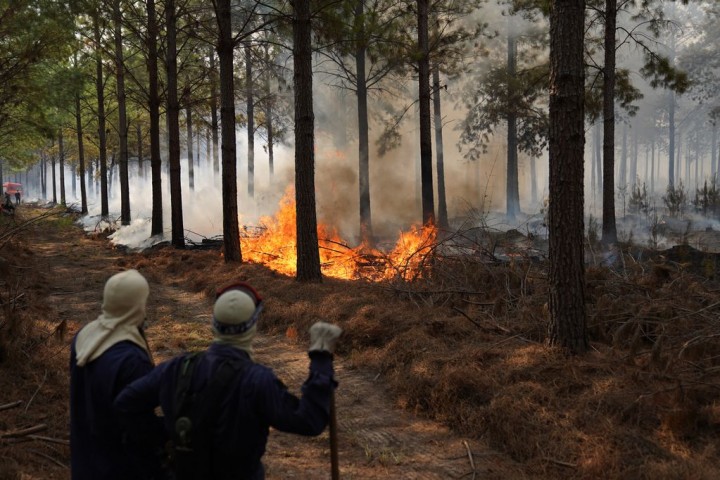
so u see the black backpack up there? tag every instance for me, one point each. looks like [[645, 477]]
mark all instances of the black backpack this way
[[195, 414]]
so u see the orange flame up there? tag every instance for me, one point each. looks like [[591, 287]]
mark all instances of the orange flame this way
[[274, 244]]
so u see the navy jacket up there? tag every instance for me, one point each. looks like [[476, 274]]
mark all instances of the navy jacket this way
[[97, 446], [253, 402]]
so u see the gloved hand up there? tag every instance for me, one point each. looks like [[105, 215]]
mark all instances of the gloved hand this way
[[324, 336]]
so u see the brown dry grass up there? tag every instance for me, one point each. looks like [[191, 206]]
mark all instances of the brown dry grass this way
[[466, 347]]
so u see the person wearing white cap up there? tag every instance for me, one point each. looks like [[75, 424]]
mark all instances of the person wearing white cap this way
[[219, 405], [106, 355]]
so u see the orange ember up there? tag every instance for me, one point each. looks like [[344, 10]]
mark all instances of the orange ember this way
[[274, 244]]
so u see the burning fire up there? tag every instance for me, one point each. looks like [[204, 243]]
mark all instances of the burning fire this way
[[274, 244]]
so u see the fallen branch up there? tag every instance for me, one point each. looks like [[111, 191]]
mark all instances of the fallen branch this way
[[8, 406], [560, 462], [48, 457], [470, 457], [50, 439], [24, 431], [36, 391]]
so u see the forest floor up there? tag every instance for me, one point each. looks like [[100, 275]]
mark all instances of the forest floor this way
[[432, 386]]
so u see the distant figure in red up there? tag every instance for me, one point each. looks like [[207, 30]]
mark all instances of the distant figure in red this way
[[17, 198]]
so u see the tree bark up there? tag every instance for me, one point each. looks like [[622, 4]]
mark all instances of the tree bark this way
[[61, 158], [567, 327], [122, 116], [440, 160], [308, 254], [512, 185], [231, 230], [366, 231], [173, 115], [102, 135], [250, 120], [189, 132], [609, 227], [81, 154], [154, 107], [214, 114], [426, 180]]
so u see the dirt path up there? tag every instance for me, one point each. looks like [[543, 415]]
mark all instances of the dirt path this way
[[377, 439]]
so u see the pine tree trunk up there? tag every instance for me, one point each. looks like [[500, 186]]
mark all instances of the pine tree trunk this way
[[366, 231], [250, 120], [189, 132], [609, 227], [214, 114], [102, 136], [81, 155], [567, 327], [426, 180], [512, 187], [308, 254], [231, 230], [173, 116], [122, 116], [154, 107], [61, 157], [440, 160]]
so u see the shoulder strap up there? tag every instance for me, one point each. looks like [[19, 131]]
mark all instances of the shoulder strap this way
[[182, 388]]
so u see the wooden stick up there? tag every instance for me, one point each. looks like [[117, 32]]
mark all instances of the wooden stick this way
[[36, 391], [470, 457], [48, 457], [24, 431], [334, 465], [50, 439], [8, 406]]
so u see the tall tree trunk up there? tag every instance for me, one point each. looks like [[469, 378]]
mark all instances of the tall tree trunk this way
[[214, 113], [609, 227], [308, 254], [154, 110], [189, 132], [173, 115], [138, 135], [269, 117], [714, 150], [366, 231], [442, 199], [231, 230], [567, 327], [671, 139], [122, 117], [102, 135], [634, 157], [512, 188], [54, 179], [428, 203], [622, 171], [652, 166], [250, 120], [43, 175], [598, 154], [61, 158], [81, 154]]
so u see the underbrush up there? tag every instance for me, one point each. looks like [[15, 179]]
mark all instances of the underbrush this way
[[466, 346]]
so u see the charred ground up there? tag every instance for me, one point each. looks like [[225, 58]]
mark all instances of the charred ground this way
[[462, 347]]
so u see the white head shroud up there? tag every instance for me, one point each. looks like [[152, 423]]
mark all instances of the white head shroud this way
[[123, 311]]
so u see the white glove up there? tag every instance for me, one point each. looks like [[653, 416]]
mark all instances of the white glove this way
[[324, 336]]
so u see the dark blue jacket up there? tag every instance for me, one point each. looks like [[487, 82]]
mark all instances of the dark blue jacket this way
[[254, 401], [97, 447]]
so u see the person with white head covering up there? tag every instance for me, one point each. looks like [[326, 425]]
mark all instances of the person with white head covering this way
[[106, 355], [219, 405]]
